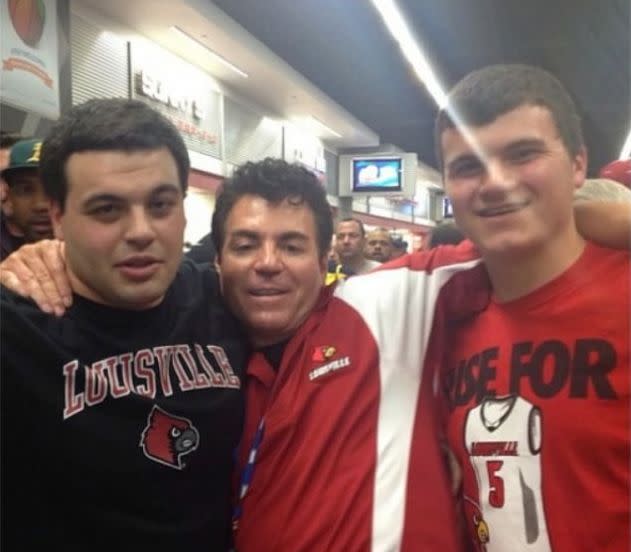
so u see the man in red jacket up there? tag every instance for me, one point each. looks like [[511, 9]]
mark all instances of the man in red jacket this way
[[340, 449]]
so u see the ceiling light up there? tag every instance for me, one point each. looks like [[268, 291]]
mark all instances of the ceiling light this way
[[215, 55], [626, 149], [318, 123], [400, 31], [411, 50]]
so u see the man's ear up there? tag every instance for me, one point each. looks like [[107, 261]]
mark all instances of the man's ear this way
[[580, 167], [324, 264], [7, 207], [56, 214], [217, 265]]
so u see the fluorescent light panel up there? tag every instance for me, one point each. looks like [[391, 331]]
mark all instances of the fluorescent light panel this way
[[411, 50], [215, 55]]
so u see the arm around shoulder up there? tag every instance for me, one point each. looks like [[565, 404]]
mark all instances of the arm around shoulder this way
[[605, 223], [38, 271]]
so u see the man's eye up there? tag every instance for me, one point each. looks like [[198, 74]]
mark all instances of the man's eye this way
[[161, 206], [465, 169], [523, 155], [293, 248], [107, 211], [241, 247], [23, 189]]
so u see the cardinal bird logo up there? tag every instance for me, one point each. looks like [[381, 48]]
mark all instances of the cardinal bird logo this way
[[167, 438], [321, 354]]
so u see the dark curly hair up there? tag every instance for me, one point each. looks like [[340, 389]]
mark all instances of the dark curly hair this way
[[107, 124], [274, 180]]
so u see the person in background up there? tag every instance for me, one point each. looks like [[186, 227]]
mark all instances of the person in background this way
[[350, 241], [10, 236], [129, 405], [446, 233], [202, 251], [537, 385], [7, 139], [378, 245], [332, 258], [26, 200], [399, 248]]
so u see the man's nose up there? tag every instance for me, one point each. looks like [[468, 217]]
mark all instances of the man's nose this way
[[41, 202], [139, 227], [498, 176], [268, 258]]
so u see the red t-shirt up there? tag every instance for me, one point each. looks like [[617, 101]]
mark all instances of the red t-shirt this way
[[538, 390]]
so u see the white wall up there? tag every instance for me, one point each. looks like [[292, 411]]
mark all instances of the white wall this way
[[198, 207]]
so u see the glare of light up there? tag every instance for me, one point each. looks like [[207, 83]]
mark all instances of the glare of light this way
[[625, 153], [411, 50], [192, 40], [400, 31]]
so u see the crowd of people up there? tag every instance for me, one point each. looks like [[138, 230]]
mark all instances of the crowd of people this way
[[469, 396], [355, 251]]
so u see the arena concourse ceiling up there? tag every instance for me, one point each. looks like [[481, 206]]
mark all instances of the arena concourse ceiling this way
[[343, 47]]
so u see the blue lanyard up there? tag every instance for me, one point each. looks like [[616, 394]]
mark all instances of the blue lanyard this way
[[248, 472]]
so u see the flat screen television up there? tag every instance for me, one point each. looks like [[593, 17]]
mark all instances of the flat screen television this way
[[378, 174]]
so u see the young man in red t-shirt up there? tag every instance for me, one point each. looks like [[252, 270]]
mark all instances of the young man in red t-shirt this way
[[537, 385]]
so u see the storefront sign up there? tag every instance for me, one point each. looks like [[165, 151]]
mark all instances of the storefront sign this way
[[183, 93], [165, 92]]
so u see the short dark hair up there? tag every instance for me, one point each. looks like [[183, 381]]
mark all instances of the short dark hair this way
[[7, 139], [274, 180], [359, 223], [446, 233], [400, 243], [483, 95], [107, 124]]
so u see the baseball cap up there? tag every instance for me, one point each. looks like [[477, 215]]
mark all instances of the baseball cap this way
[[24, 155]]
